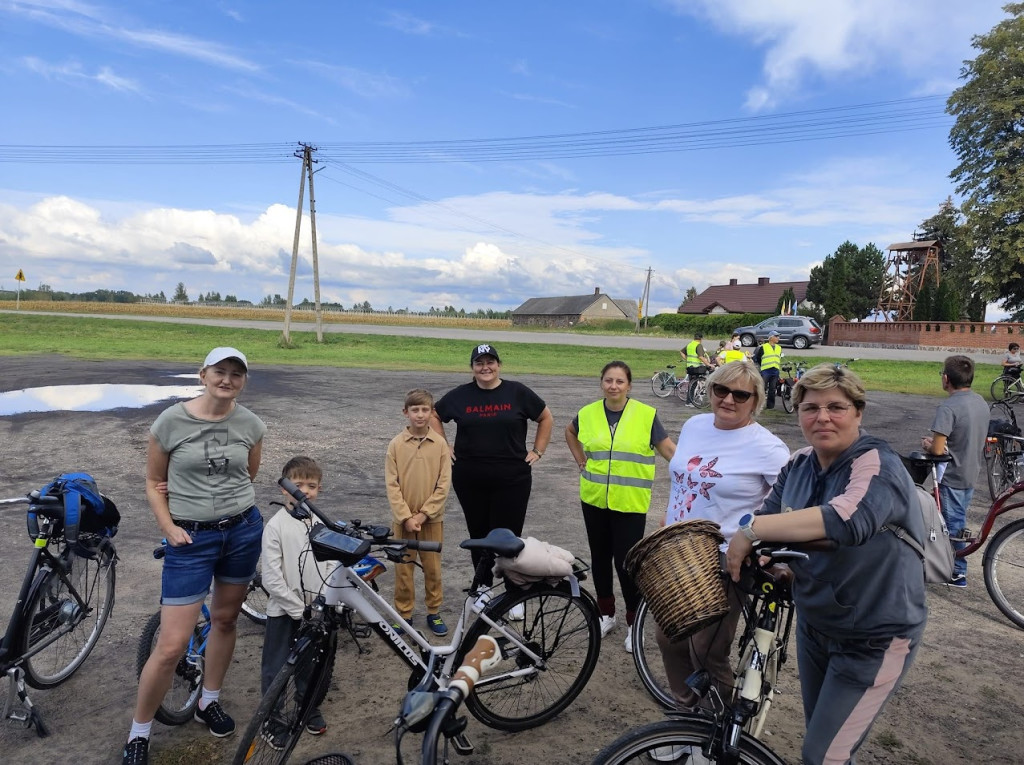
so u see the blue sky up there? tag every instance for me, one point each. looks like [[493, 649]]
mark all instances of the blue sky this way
[[251, 79]]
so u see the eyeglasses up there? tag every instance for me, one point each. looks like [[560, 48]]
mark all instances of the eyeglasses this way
[[739, 396], [836, 410]]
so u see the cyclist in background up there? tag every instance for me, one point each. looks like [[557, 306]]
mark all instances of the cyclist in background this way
[[1012, 361], [697, 363], [769, 358]]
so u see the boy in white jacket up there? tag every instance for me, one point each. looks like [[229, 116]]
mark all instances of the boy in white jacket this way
[[293, 578]]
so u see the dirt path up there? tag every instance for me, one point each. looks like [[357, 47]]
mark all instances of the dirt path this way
[[959, 704]]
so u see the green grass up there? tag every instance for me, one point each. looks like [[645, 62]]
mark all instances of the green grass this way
[[113, 339]]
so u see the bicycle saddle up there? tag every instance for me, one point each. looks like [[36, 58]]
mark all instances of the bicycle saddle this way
[[501, 542], [925, 458]]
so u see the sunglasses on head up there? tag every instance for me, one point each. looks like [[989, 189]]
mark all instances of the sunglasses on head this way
[[739, 396]]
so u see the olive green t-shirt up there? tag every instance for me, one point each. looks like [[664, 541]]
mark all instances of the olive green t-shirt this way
[[208, 469]]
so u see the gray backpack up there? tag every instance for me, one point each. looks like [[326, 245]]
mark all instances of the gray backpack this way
[[937, 553]]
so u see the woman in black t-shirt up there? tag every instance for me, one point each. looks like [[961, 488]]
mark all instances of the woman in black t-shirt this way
[[492, 468]]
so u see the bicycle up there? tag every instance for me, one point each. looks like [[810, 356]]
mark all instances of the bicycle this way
[[1008, 387], [728, 729], [63, 604], [1004, 449], [545, 661], [785, 385], [1004, 573], [179, 704], [664, 383]]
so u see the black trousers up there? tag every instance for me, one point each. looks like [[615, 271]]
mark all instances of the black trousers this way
[[492, 497], [611, 535], [278, 637]]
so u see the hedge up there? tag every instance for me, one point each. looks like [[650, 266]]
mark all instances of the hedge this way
[[719, 324]]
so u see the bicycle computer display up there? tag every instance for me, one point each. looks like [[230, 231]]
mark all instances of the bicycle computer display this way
[[328, 544]]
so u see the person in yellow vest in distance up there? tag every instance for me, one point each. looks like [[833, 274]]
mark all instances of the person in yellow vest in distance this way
[[613, 441], [697, 362], [728, 352], [769, 358]]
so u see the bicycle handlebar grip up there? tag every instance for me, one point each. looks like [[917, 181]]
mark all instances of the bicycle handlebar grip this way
[[415, 544], [291, 488], [481, 657]]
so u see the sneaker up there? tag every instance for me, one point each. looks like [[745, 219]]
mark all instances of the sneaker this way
[[216, 719], [398, 628], [607, 624], [437, 625], [275, 737], [517, 613], [958, 580], [136, 752], [629, 640], [316, 725]]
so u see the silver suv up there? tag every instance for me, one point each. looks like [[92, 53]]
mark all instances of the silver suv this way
[[798, 331]]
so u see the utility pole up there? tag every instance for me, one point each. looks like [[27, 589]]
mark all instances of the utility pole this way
[[644, 298], [305, 152]]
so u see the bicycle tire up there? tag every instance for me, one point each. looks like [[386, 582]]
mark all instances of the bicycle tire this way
[[179, 703], [995, 469], [786, 393], [1004, 570], [284, 708], [660, 384], [700, 392], [56, 628], [255, 604], [1001, 388], [647, 658], [682, 389], [637, 745], [564, 630]]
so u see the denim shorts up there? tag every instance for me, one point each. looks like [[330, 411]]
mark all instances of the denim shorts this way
[[228, 555]]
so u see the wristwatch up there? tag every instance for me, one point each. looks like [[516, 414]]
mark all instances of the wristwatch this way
[[747, 527]]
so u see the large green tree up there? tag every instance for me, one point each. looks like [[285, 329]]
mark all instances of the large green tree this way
[[960, 294], [848, 282], [988, 138]]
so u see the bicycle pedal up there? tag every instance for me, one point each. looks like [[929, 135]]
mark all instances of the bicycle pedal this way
[[361, 631], [461, 744]]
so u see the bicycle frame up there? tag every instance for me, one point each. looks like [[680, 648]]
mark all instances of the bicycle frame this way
[[1011, 499]]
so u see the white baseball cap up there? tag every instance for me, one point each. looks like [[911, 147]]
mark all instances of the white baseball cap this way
[[218, 355]]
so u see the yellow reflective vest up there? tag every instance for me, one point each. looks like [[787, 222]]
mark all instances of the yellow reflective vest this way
[[619, 472], [692, 359], [734, 355], [771, 356]]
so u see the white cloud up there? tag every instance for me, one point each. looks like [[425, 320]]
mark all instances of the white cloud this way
[[809, 40], [74, 72], [362, 83]]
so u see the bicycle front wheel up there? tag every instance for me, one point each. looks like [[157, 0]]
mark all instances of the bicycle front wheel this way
[[995, 466], [700, 392], [277, 725], [647, 657], [564, 631], [65, 614], [786, 394], [1004, 571], [1002, 388], [662, 384], [255, 604], [683, 389], [179, 705], [674, 739]]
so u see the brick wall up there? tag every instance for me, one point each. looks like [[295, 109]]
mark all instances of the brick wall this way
[[947, 335]]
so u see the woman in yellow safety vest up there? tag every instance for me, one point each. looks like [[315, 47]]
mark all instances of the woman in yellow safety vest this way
[[613, 441]]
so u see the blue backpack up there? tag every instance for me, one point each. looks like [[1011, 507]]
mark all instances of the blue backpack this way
[[85, 509]]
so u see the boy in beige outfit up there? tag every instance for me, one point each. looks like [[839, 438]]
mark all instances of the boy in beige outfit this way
[[418, 472]]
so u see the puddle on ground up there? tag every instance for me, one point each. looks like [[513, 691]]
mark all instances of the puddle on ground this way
[[91, 398]]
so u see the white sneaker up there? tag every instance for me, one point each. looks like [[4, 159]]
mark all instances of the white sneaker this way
[[629, 640], [669, 753], [517, 613], [607, 624]]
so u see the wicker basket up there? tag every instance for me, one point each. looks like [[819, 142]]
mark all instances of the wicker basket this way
[[677, 570]]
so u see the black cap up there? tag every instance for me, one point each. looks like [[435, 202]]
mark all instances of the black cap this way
[[484, 350]]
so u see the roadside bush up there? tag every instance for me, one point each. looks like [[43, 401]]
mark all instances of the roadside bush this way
[[710, 324]]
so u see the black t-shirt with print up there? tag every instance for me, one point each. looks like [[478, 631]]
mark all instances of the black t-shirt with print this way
[[492, 424]]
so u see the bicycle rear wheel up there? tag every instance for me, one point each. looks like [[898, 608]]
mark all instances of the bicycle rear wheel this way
[[662, 384], [277, 725], [60, 629], [255, 604], [563, 630], [671, 741], [683, 389], [1001, 389], [1004, 571], [179, 705], [700, 392], [786, 394], [647, 657], [999, 477]]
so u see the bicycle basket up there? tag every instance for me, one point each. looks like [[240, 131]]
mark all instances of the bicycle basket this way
[[678, 571], [334, 758]]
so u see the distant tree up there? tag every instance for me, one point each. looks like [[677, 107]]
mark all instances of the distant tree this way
[[986, 138], [45, 287], [690, 295], [786, 301], [960, 264], [180, 295], [848, 282], [230, 299]]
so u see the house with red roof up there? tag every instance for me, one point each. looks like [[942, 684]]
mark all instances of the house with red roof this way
[[733, 297]]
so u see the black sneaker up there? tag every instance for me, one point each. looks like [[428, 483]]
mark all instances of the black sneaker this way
[[136, 752], [216, 719], [958, 580], [275, 737], [437, 625], [316, 725]]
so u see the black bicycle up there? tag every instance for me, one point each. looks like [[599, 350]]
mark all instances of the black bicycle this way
[[64, 602]]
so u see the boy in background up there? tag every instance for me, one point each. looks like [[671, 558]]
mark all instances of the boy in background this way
[[292, 578], [418, 473]]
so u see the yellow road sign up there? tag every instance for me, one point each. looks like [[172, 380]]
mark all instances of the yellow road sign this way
[[20, 277]]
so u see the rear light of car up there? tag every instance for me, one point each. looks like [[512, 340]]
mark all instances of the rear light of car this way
[[815, 330]]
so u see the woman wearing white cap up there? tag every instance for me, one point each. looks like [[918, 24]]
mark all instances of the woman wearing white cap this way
[[206, 452]]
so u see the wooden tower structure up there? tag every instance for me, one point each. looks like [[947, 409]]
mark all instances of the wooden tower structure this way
[[909, 266]]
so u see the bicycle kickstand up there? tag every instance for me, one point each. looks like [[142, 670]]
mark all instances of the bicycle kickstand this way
[[19, 706]]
